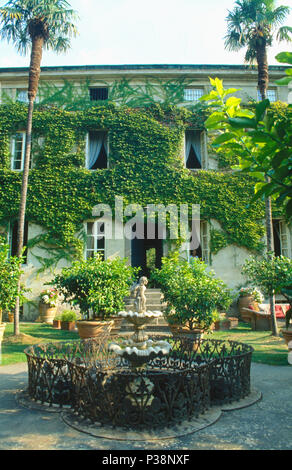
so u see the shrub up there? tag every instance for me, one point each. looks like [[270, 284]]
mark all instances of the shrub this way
[[97, 286], [10, 272], [69, 316], [193, 295]]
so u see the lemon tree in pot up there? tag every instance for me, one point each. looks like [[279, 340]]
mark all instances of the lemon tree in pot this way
[[10, 272], [192, 294], [273, 275], [98, 287]]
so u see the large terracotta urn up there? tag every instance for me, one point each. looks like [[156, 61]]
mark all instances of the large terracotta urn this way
[[93, 328], [47, 313]]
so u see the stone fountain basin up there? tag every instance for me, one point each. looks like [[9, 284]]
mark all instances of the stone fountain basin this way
[[143, 349], [140, 319]]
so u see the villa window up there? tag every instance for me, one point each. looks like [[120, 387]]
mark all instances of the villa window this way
[[12, 239], [203, 251], [195, 150], [98, 94], [18, 151], [193, 94], [282, 239], [271, 95], [95, 239], [22, 96], [97, 150]]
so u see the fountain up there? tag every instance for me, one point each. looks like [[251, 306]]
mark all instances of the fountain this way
[[139, 384], [139, 349]]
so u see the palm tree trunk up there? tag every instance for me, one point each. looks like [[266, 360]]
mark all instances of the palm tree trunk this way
[[34, 74], [263, 70], [263, 83]]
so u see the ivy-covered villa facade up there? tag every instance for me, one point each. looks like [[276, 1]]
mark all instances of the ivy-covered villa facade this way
[[136, 132]]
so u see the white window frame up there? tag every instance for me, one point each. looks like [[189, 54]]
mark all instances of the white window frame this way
[[204, 150], [285, 239], [13, 149], [87, 149], [193, 94], [204, 242], [95, 238]]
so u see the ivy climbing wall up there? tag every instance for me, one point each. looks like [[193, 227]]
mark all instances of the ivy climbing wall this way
[[146, 167]]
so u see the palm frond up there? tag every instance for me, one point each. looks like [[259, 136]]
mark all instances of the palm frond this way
[[284, 34], [18, 17]]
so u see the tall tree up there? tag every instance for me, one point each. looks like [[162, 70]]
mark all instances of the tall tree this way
[[252, 25], [34, 25]]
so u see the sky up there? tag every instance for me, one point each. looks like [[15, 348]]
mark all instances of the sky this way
[[113, 32]]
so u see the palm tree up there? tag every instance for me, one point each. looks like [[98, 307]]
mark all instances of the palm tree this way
[[252, 25], [34, 25]]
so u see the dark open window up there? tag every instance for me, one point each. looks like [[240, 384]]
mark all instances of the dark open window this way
[[193, 157], [13, 239], [98, 94], [97, 150]]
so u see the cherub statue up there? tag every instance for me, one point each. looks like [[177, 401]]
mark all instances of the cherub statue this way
[[138, 292]]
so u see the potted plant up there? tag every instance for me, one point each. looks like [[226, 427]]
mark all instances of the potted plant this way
[[248, 296], [10, 272], [48, 305], [192, 294], [98, 287], [57, 322], [68, 319]]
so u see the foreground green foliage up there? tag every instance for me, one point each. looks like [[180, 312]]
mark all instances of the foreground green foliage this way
[[261, 140]]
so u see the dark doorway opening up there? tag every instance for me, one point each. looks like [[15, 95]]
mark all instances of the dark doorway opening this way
[[147, 254]]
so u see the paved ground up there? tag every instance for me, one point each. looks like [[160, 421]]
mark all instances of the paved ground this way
[[267, 425]]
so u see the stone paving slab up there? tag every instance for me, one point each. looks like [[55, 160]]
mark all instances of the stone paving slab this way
[[266, 425]]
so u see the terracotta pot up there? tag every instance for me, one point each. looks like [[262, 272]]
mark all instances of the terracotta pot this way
[[2, 329], [47, 313], [93, 328], [57, 324], [287, 335], [244, 302], [68, 325]]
